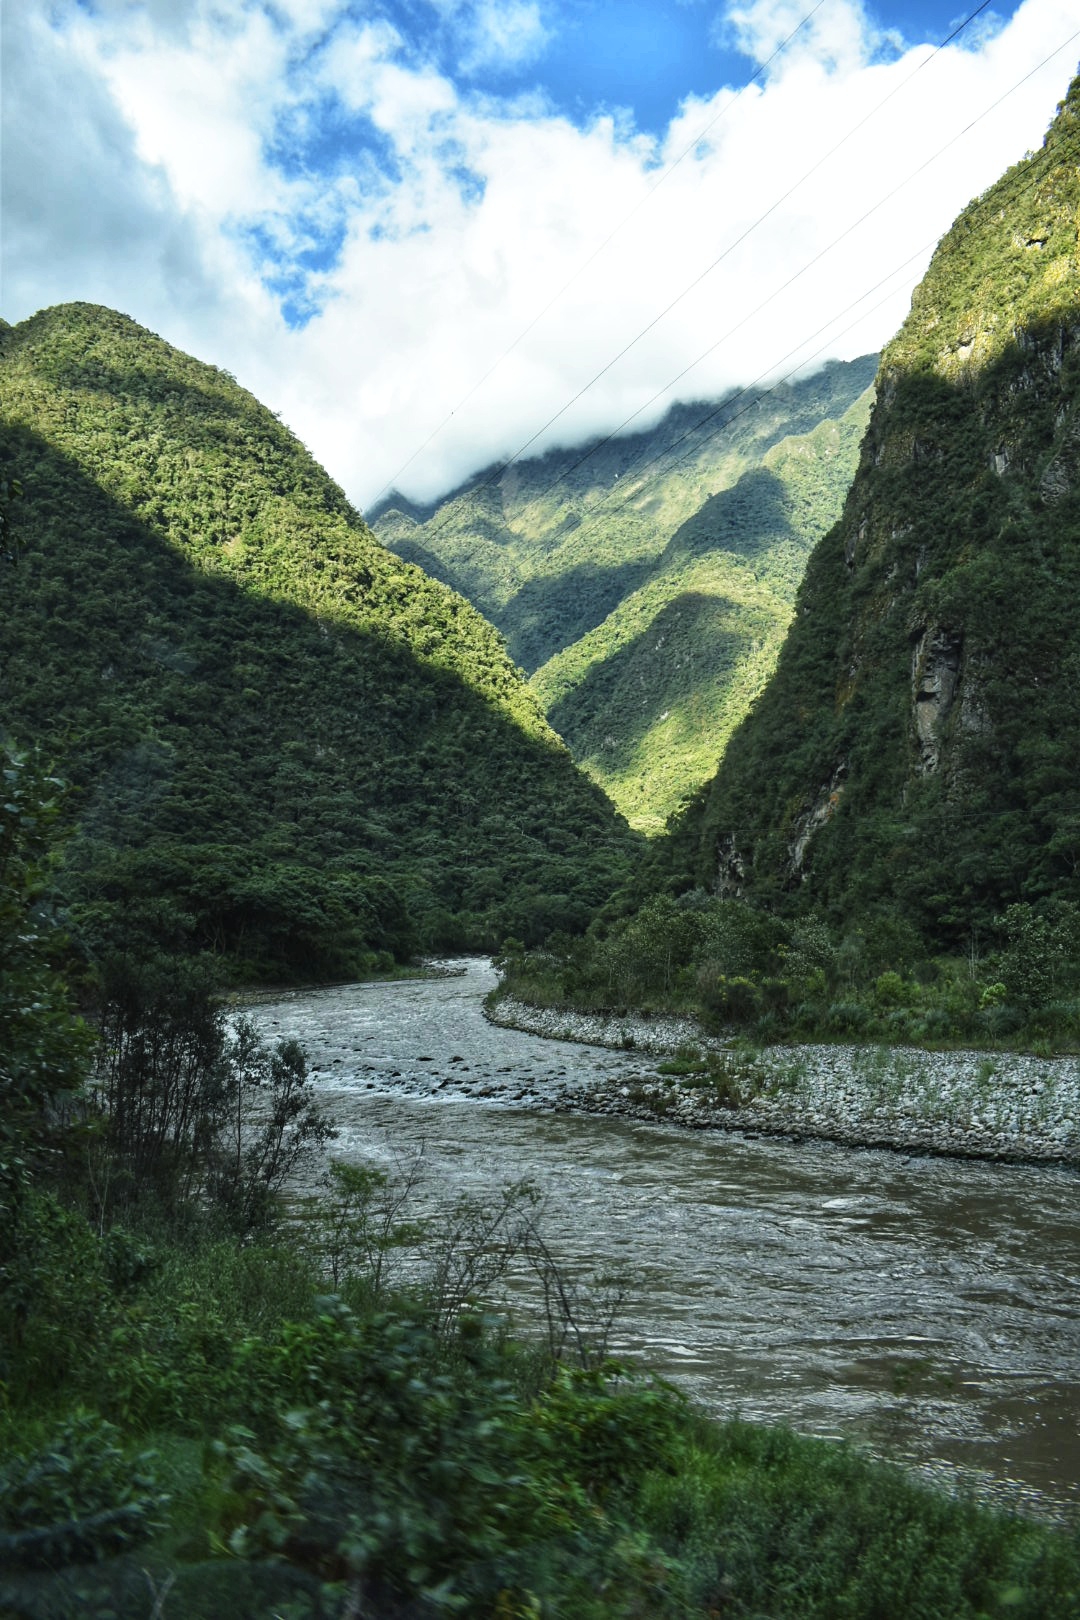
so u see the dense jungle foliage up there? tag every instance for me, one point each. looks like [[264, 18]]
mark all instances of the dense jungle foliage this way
[[891, 845], [211, 1406], [914, 757], [646, 583], [737, 967], [282, 743]]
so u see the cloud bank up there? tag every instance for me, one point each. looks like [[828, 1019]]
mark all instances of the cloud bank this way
[[385, 224]]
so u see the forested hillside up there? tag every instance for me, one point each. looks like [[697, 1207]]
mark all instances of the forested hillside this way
[[891, 844], [645, 583], [281, 741], [915, 754]]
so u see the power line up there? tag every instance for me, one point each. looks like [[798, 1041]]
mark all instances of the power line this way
[[499, 470], [815, 260], [730, 398], [723, 409], [739, 240], [612, 234]]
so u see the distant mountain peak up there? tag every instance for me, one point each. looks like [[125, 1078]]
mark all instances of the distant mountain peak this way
[[646, 579]]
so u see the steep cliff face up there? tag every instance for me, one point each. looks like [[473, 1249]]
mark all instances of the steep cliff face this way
[[917, 746]]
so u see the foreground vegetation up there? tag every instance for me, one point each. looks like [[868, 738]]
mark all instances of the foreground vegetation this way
[[228, 1442], [216, 1402]]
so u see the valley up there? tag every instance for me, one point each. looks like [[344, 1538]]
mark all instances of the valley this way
[[645, 583], [751, 735]]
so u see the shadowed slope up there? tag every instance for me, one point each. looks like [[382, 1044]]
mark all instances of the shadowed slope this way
[[916, 750], [285, 743]]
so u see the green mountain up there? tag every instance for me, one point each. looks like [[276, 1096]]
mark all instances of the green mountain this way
[[282, 741], [915, 753], [645, 582]]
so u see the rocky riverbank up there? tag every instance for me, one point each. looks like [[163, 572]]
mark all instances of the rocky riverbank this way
[[987, 1105]]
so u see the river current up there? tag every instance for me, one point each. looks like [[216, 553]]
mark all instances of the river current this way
[[926, 1309]]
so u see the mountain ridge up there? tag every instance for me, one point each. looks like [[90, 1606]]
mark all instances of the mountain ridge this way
[[284, 743], [912, 752], [562, 567]]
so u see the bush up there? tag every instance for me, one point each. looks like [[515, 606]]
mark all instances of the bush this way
[[735, 1001], [77, 1497], [847, 1018], [193, 1111]]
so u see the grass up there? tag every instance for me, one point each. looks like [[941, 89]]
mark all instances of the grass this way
[[779, 1526]]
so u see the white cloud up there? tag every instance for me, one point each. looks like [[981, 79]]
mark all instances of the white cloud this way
[[198, 105], [839, 36], [83, 217], [140, 167], [503, 33]]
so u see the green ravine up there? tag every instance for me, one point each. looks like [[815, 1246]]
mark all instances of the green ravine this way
[[282, 742], [647, 590], [646, 701]]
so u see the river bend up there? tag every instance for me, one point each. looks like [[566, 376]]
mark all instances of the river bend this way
[[928, 1309]]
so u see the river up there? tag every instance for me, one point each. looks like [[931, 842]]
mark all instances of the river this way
[[927, 1309]]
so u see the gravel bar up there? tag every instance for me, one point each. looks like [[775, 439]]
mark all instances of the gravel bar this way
[[1007, 1106]]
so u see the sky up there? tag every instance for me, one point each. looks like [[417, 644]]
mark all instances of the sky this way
[[434, 234]]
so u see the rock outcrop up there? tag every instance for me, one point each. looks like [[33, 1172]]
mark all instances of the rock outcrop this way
[[915, 750]]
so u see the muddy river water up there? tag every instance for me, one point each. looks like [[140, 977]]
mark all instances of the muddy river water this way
[[927, 1309]]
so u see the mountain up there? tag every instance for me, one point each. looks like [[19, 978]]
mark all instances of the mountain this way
[[915, 752], [282, 742], [645, 581]]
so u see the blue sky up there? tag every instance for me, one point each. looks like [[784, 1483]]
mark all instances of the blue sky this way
[[644, 56], [430, 232]]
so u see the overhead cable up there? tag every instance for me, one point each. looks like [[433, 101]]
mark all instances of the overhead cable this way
[[612, 234], [501, 467]]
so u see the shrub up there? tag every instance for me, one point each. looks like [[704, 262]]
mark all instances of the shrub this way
[[847, 1018], [75, 1498], [735, 1000], [192, 1110]]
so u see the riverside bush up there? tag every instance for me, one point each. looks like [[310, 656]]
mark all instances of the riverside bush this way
[[407, 1458], [734, 968], [775, 1525], [77, 1496]]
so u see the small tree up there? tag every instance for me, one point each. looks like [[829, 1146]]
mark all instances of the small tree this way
[[272, 1125], [193, 1110], [1040, 960], [43, 1045]]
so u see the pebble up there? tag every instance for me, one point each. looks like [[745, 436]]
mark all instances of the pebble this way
[[859, 1096]]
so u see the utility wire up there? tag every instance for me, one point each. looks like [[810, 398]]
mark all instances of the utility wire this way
[[719, 409], [724, 406], [499, 470], [612, 234], [739, 240], [731, 398]]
